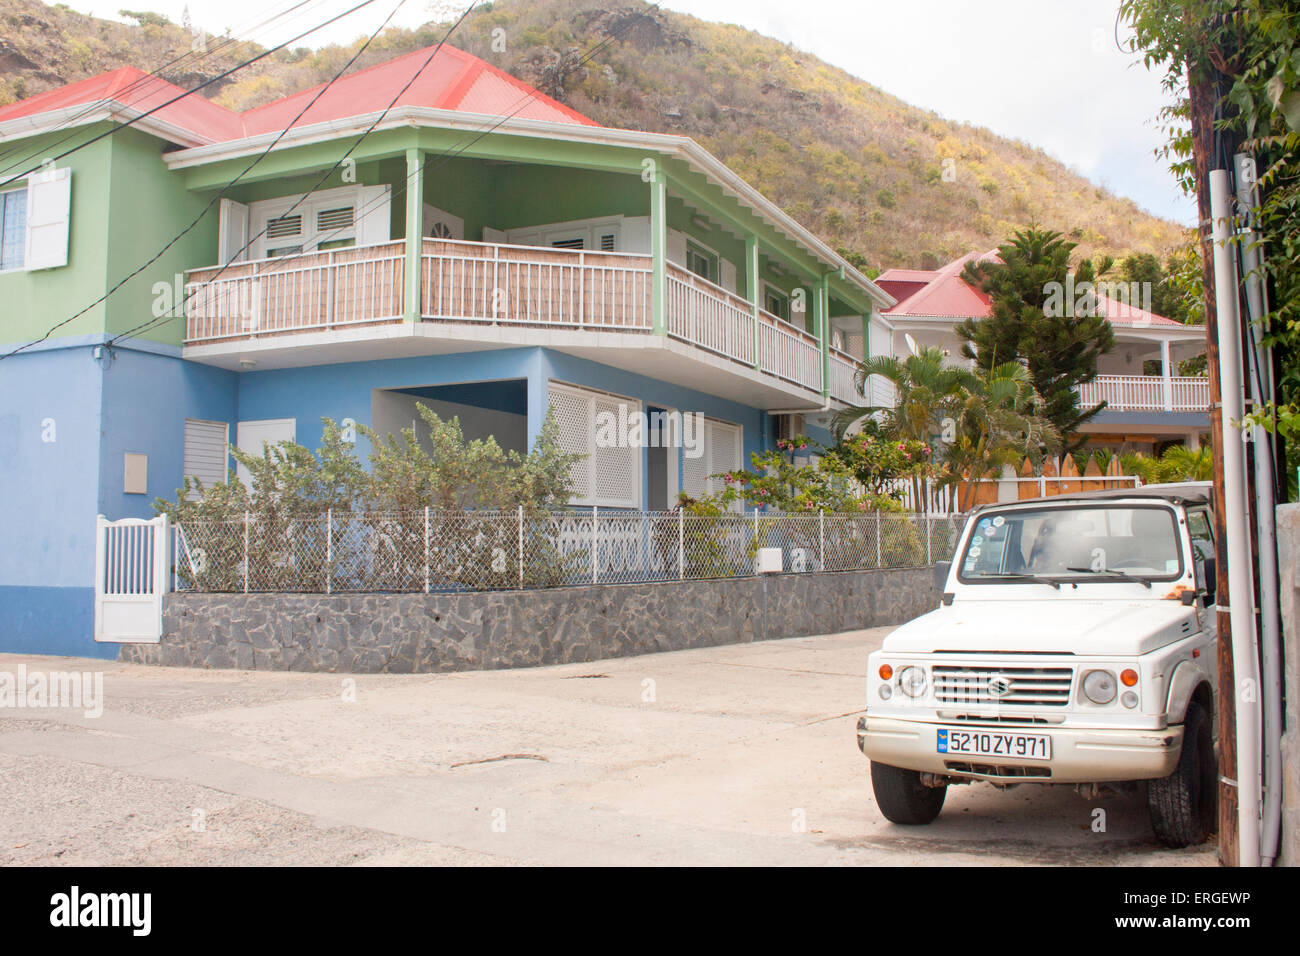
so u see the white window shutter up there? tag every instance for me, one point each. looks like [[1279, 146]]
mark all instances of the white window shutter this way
[[374, 223], [49, 202], [232, 231], [205, 450], [676, 247], [728, 270]]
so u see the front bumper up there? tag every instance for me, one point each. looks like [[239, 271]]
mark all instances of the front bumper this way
[[1078, 756]]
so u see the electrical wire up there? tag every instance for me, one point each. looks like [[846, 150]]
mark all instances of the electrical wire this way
[[213, 201]]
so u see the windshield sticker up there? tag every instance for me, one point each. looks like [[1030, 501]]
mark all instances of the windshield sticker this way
[[999, 521], [1171, 566], [977, 540], [973, 553]]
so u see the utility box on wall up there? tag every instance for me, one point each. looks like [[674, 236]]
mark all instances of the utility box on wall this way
[[136, 474]]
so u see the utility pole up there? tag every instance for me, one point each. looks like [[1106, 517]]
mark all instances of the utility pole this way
[[1201, 96]]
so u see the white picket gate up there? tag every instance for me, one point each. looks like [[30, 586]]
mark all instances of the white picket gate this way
[[131, 577]]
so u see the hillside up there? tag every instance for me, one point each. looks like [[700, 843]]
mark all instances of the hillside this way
[[862, 168]]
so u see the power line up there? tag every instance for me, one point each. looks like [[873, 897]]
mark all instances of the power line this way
[[213, 201], [445, 156], [156, 73], [329, 172], [221, 76]]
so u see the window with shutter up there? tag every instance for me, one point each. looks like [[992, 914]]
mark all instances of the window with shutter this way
[[722, 448], [606, 477], [205, 450]]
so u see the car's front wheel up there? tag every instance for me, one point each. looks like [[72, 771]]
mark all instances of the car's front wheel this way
[[902, 797], [1183, 804]]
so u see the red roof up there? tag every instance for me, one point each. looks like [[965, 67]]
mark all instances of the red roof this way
[[942, 293], [138, 90], [453, 80]]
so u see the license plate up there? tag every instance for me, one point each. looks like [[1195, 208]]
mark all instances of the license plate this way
[[994, 743]]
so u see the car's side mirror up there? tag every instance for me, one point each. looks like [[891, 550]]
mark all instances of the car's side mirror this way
[[941, 569], [1210, 573]]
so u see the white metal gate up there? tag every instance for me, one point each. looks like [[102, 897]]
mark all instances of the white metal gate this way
[[131, 576]]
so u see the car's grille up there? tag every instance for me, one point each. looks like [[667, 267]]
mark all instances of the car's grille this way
[[1025, 686]]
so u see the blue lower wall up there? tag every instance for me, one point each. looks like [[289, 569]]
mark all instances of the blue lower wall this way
[[59, 621], [67, 418]]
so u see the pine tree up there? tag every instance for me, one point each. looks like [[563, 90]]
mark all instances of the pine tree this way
[[1043, 317]]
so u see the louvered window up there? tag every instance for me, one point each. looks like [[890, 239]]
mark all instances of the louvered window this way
[[342, 218], [569, 243], [607, 243], [205, 451], [720, 452], [608, 476]]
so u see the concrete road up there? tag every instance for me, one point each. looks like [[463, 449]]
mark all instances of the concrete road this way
[[733, 755]]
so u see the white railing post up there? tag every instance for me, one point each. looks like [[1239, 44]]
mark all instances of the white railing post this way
[[595, 545], [681, 543], [521, 546], [246, 557], [329, 550], [426, 549], [821, 539], [160, 542], [329, 293]]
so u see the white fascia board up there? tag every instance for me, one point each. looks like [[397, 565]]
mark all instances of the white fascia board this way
[[416, 116], [87, 114]]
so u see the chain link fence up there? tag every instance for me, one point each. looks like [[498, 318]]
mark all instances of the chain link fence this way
[[436, 551]]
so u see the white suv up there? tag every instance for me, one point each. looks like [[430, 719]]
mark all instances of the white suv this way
[[1075, 645]]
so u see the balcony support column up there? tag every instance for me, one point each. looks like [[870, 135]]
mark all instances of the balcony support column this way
[[751, 293], [866, 346], [414, 231], [1165, 373], [822, 303], [658, 252]]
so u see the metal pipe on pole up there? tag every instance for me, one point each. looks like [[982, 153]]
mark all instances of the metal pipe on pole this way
[[1260, 375], [1245, 650]]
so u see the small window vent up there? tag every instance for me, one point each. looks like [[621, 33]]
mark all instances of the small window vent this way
[[342, 218], [606, 243], [284, 227], [569, 244]]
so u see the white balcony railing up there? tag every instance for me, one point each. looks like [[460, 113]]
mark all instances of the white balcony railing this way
[[531, 285], [709, 316], [498, 284], [842, 370], [322, 290], [1147, 393]]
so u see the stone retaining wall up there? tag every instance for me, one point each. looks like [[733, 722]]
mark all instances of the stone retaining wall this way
[[410, 633]]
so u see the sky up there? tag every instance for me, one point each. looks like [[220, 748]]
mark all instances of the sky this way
[[1047, 72]]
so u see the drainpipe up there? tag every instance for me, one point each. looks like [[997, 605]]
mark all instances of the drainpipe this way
[[1240, 586], [1260, 363]]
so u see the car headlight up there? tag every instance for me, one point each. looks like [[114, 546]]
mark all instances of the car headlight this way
[[911, 681], [1099, 686]]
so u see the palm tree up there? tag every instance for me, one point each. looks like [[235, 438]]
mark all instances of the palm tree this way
[[1185, 464], [996, 424], [924, 387]]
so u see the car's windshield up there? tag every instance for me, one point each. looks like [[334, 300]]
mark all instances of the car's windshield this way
[[1111, 543]]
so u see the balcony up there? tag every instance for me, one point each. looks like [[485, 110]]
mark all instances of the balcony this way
[[504, 287], [1147, 393]]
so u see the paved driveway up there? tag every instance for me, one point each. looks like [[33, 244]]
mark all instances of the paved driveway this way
[[742, 754]]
